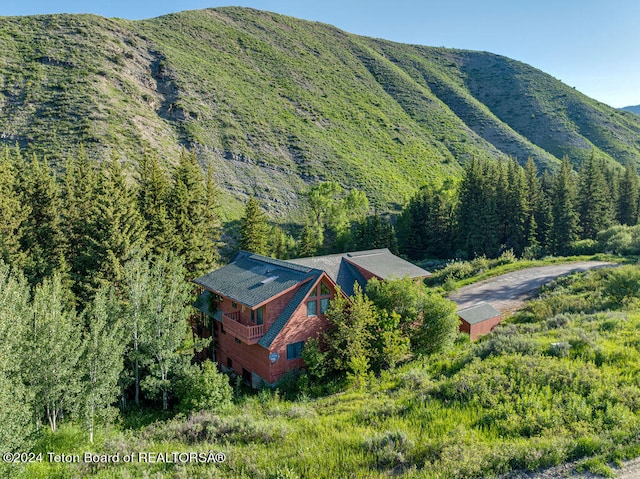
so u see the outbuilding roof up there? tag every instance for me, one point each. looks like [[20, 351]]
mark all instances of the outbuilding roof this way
[[478, 313]]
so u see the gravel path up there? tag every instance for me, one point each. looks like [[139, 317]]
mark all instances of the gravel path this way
[[509, 291]]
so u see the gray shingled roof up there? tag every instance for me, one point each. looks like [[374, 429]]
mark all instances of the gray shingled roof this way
[[203, 303], [380, 262], [478, 313], [385, 265], [252, 279], [341, 272]]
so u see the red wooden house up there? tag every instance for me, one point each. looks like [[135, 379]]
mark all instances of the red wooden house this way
[[264, 309]]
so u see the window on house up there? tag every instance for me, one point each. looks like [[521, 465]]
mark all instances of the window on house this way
[[229, 363], [324, 305], [324, 290], [234, 305], [294, 350], [312, 308], [313, 293], [258, 315]]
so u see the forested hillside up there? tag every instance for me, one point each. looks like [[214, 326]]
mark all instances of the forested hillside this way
[[275, 104]]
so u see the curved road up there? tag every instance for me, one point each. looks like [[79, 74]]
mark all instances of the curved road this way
[[509, 291]]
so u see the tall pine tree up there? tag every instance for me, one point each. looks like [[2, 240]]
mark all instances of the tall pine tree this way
[[478, 225], [13, 211], [194, 235], [425, 228], [79, 193], [254, 228], [153, 198], [628, 197], [594, 199], [117, 230], [565, 219], [44, 240]]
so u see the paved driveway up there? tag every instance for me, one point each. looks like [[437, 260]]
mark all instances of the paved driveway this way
[[508, 291]]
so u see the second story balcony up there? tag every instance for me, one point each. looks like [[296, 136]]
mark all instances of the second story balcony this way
[[246, 334]]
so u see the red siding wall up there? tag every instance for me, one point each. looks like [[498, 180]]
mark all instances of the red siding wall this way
[[481, 328], [255, 358]]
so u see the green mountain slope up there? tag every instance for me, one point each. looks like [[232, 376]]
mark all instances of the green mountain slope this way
[[276, 103]]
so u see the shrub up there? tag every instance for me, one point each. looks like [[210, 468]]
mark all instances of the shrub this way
[[586, 246], [507, 257], [389, 448], [623, 283], [204, 388]]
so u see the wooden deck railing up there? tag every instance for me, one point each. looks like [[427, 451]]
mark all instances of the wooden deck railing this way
[[246, 334]]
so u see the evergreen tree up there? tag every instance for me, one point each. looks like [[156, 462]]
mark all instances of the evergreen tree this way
[[310, 241], [513, 206], [117, 231], [212, 224], [478, 228], [594, 199], [374, 232], [79, 192], [192, 229], [153, 197], [565, 219], [54, 350], [13, 211], [44, 240], [628, 198], [254, 228], [425, 228], [102, 359], [537, 218]]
